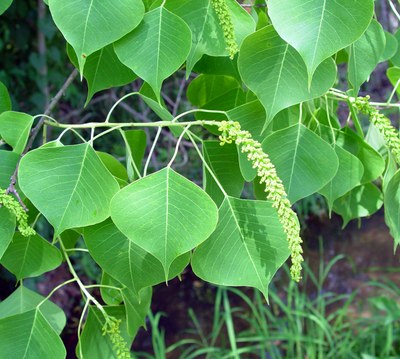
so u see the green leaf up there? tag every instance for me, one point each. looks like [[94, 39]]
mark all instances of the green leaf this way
[[222, 66], [8, 163], [70, 238], [103, 70], [207, 88], [247, 247], [246, 166], [128, 263], [150, 98], [30, 256], [395, 59], [348, 176], [365, 54], [115, 167], [251, 116], [373, 163], [276, 73], [23, 300], [92, 343], [157, 48], [110, 296], [29, 335], [136, 309], [224, 162], [207, 34], [7, 229], [137, 143], [317, 29], [361, 201], [69, 185], [4, 5], [15, 129], [90, 25], [5, 101], [392, 207], [295, 151], [213, 92], [393, 74], [390, 47], [165, 214]]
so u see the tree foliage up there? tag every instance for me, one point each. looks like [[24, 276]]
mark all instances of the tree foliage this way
[[264, 89]]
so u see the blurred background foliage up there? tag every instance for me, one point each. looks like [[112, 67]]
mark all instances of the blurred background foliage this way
[[348, 306]]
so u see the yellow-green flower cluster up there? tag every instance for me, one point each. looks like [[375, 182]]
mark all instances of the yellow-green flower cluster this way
[[225, 20], [382, 123], [112, 329], [231, 132], [15, 208]]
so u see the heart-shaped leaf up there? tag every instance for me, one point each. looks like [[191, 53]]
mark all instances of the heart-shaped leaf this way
[[317, 29], [30, 332], [69, 185], [276, 73], [124, 260], [294, 151], [30, 256], [361, 201], [15, 129], [247, 247], [348, 176], [90, 25], [165, 214], [23, 300], [156, 48], [103, 70], [365, 54]]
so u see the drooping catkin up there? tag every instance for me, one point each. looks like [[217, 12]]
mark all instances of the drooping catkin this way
[[225, 20], [231, 132], [113, 330], [382, 123], [15, 208]]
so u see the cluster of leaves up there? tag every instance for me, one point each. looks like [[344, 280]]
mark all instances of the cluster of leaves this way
[[144, 229]]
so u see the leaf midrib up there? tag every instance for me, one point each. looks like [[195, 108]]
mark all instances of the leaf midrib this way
[[244, 242], [74, 189]]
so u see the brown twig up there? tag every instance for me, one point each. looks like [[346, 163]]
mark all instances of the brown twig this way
[[34, 132]]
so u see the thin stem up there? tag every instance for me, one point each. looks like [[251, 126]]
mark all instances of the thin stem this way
[[106, 132], [183, 114], [85, 308], [393, 92], [393, 7], [77, 250], [329, 121], [118, 102], [55, 290], [343, 97], [152, 149], [103, 286], [133, 124], [207, 166], [354, 116], [88, 296], [178, 143]]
